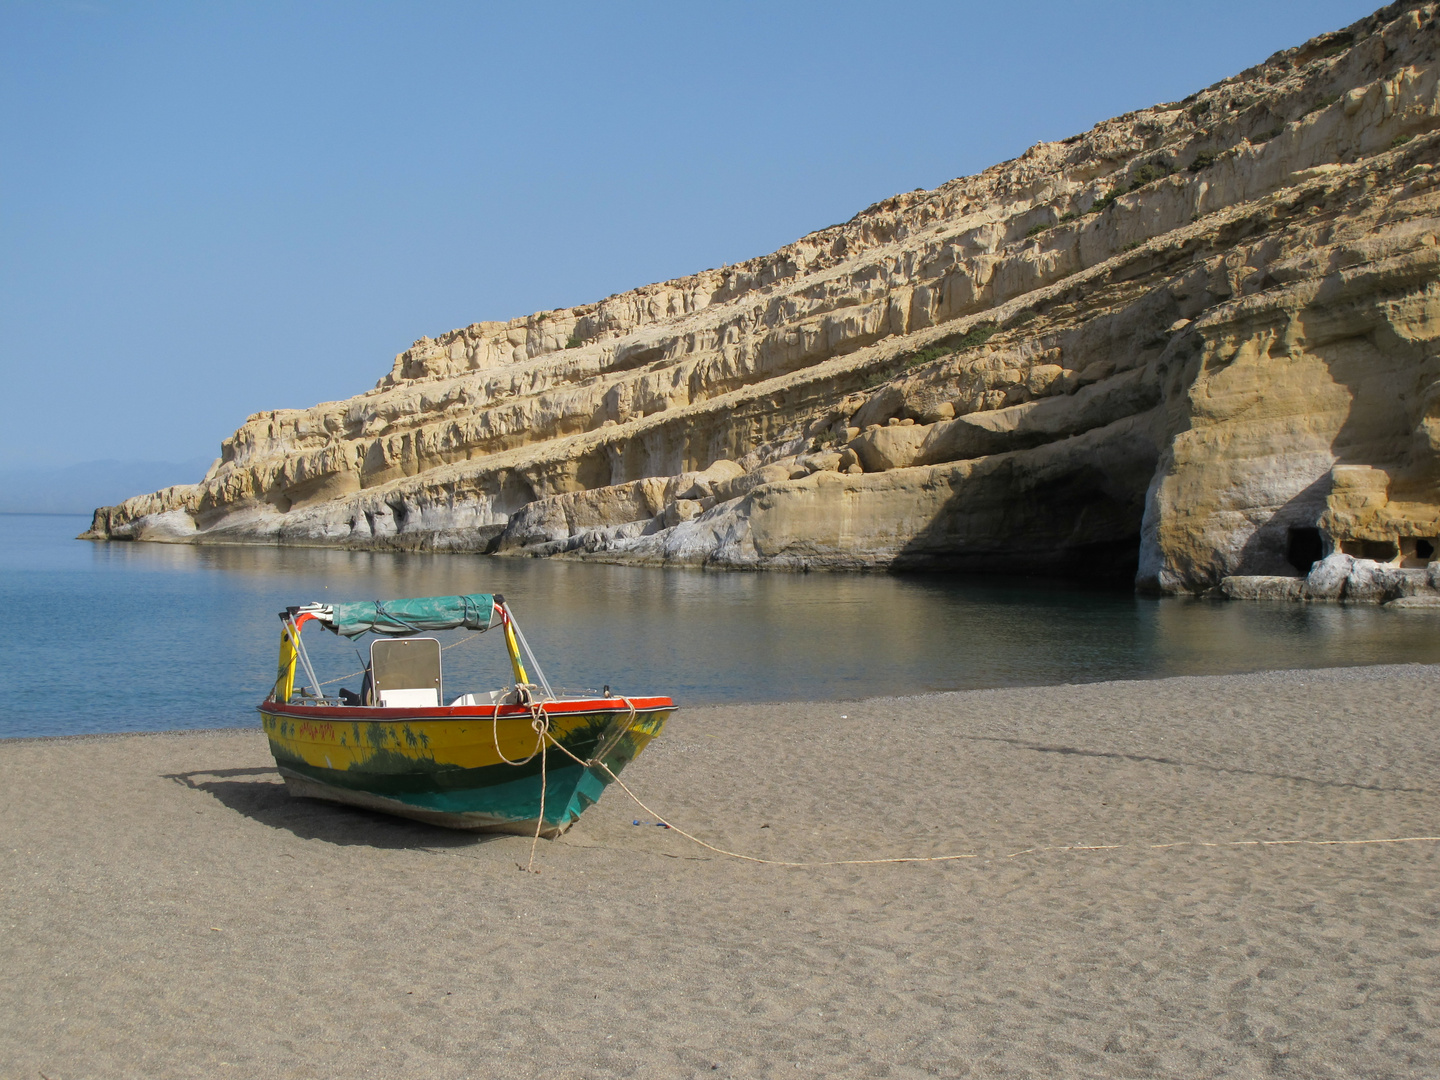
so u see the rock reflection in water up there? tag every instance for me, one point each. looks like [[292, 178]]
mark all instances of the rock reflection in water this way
[[152, 636]]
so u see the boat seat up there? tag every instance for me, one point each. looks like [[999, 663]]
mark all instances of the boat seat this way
[[415, 697], [485, 697]]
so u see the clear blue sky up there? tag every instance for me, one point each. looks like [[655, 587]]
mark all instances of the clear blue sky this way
[[211, 208]]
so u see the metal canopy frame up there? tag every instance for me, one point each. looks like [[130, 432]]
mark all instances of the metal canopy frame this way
[[515, 641]]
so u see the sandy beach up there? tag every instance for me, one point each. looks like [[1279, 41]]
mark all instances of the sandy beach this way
[[168, 911]]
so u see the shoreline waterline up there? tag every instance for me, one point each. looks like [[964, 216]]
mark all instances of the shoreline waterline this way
[[1234, 679], [161, 637]]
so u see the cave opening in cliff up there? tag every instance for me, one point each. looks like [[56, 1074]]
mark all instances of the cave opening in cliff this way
[[1416, 551], [1304, 548], [1375, 550]]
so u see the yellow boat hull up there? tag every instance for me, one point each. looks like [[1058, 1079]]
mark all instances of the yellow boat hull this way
[[463, 767]]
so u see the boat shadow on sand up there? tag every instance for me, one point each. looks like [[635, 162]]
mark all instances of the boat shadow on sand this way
[[259, 794]]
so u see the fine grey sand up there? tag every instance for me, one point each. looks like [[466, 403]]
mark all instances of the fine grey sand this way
[[168, 911]]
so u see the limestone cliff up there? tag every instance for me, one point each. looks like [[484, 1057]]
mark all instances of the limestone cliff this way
[[1198, 342]]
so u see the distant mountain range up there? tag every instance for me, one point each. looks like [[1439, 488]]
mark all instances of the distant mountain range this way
[[79, 489]]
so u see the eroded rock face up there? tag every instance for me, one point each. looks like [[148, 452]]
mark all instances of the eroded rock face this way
[[1195, 344]]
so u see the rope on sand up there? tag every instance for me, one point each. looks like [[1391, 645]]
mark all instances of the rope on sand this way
[[952, 858], [1267, 843], [776, 862], [597, 763], [540, 723]]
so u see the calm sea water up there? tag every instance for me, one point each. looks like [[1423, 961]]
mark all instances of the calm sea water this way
[[141, 637]]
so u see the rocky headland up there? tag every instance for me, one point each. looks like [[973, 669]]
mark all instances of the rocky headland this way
[[1197, 346]]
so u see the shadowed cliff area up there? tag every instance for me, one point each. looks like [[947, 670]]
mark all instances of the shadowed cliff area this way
[[1169, 349]]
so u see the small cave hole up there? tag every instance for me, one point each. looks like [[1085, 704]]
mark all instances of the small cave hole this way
[[1416, 551], [1376, 550], [1304, 548]]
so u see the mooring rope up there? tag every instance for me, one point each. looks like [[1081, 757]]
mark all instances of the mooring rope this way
[[541, 724], [495, 734], [597, 763]]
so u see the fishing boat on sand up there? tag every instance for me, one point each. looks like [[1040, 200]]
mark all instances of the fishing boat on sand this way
[[520, 759]]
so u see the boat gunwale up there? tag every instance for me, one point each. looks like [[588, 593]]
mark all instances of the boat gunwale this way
[[377, 714]]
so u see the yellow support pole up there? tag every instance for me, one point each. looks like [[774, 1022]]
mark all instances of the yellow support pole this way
[[514, 648], [285, 672]]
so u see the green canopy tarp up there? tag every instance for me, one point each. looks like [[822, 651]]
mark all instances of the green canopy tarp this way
[[399, 617]]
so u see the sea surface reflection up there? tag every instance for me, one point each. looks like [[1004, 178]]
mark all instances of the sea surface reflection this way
[[133, 637]]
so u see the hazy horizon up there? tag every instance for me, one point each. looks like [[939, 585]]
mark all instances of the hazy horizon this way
[[81, 487]]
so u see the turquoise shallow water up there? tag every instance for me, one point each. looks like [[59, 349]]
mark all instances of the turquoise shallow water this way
[[141, 637]]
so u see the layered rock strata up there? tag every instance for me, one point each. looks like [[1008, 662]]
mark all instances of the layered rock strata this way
[[1197, 343]]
